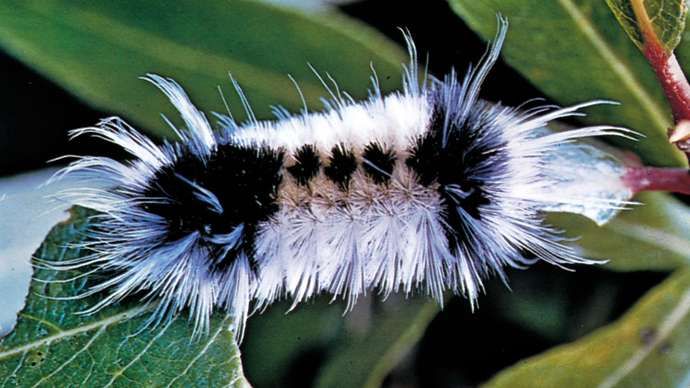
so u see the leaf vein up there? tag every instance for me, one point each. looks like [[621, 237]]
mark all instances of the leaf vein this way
[[665, 328], [51, 325], [139, 40], [72, 358], [203, 351], [73, 332], [136, 358]]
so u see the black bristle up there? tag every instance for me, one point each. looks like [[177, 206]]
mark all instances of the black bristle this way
[[244, 179], [424, 158], [451, 165], [378, 163], [462, 160], [307, 164], [341, 167]]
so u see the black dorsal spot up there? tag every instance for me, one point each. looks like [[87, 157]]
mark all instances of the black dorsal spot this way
[[306, 165], [378, 162], [342, 165], [424, 157]]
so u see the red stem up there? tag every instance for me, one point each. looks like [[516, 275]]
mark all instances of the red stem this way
[[676, 180], [671, 78], [668, 72]]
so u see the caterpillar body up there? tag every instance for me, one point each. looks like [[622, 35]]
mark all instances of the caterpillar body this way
[[429, 189]]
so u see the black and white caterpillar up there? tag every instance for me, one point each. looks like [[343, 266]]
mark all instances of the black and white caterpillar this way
[[428, 189]]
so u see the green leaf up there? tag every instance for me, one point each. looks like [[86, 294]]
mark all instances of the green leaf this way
[[647, 347], [666, 18], [575, 51], [54, 346], [364, 359], [649, 236], [27, 217], [97, 50], [275, 340]]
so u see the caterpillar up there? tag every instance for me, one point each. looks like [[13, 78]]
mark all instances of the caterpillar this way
[[427, 189]]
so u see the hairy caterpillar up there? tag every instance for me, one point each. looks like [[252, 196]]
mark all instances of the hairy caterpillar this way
[[428, 189]]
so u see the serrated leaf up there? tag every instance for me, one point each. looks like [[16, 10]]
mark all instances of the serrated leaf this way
[[665, 18], [364, 359], [653, 235], [97, 50], [575, 51], [647, 347], [52, 345]]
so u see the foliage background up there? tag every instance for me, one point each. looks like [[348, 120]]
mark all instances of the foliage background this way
[[406, 343]]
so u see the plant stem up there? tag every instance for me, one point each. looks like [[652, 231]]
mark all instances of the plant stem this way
[[676, 180], [672, 80], [668, 71]]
